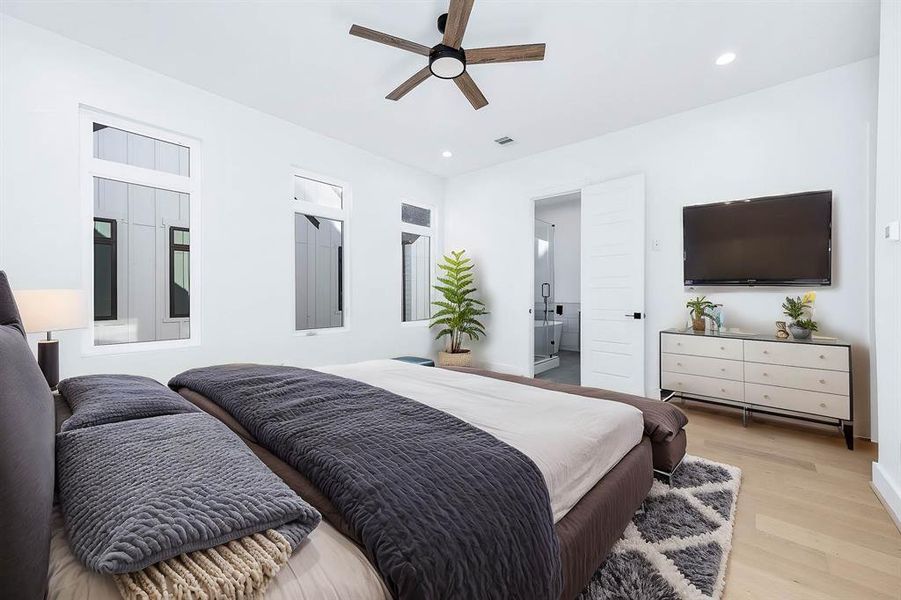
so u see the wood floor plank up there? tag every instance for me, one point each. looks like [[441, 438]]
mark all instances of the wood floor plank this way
[[808, 526]]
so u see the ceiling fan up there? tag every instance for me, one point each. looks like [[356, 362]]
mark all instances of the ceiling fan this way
[[448, 60]]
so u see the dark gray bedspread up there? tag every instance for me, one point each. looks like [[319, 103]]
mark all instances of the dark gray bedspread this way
[[444, 510]]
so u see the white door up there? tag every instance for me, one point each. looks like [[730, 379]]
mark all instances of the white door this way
[[613, 285]]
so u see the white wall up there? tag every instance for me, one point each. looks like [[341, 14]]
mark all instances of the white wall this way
[[812, 133], [566, 218], [887, 472], [248, 226]]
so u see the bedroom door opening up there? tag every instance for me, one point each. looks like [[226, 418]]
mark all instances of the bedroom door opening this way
[[557, 303]]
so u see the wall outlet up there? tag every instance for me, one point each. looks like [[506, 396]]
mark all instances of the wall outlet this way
[[893, 231]]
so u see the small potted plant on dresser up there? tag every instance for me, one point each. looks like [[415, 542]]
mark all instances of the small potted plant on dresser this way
[[798, 310], [457, 313], [699, 308]]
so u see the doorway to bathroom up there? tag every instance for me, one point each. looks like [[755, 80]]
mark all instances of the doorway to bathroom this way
[[557, 294]]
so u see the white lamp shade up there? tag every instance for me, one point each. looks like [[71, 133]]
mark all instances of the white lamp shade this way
[[51, 310]]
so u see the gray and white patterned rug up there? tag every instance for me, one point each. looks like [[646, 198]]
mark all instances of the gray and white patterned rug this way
[[678, 547]]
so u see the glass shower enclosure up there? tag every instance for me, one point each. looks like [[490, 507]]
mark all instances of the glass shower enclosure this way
[[547, 329]]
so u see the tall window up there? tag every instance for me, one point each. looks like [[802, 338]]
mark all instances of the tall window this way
[[143, 190], [416, 262], [319, 253]]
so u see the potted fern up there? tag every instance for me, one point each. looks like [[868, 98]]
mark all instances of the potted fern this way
[[798, 310], [699, 308], [457, 313]]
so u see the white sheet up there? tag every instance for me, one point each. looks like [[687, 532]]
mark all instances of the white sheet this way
[[326, 566], [573, 440]]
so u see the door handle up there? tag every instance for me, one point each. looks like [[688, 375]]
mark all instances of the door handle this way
[[635, 315]]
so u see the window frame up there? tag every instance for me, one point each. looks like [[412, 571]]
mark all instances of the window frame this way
[[432, 232], [113, 242], [190, 184], [343, 214]]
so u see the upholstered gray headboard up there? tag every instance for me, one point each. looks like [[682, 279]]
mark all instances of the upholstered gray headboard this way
[[26, 460]]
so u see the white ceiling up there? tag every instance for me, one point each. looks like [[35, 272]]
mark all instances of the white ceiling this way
[[609, 65]]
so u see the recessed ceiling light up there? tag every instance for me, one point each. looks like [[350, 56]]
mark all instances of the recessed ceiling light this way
[[725, 58], [447, 154]]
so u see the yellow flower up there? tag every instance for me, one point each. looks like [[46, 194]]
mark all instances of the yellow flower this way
[[809, 297]]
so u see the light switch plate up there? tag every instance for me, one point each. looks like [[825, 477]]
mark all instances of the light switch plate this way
[[893, 231]]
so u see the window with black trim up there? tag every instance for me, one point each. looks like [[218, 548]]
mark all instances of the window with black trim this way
[[179, 272], [105, 279]]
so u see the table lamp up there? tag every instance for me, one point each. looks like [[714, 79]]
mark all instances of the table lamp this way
[[49, 311]]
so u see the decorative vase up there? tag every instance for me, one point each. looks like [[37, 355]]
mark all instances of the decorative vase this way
[[799, 333], [455, 359], [698, 324]]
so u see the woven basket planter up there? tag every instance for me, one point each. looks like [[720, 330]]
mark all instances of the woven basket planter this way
[[456, 359]]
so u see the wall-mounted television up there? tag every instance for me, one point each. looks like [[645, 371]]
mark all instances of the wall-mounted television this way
[[777, 240]]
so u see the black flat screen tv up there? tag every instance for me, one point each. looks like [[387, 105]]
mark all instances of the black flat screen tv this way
[[777, 240]]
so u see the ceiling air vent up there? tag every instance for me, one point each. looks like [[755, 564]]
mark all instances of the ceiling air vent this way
[[504, 141]]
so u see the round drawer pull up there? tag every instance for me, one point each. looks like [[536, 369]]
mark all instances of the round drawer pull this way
[[766, 351], [766, 396], [823, 404], [765, 374], [723, 390], [822, 356], [823, 381], [723, 369], [722, 347], [678, 364]]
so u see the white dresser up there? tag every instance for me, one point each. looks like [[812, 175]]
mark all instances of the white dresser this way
[[809, 379]]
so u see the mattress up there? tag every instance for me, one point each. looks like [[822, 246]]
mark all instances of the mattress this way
[[573, 440]]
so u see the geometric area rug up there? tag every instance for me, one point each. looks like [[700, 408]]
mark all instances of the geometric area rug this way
[[677, 548]]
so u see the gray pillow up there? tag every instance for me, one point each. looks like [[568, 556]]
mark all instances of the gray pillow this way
[[139, 492], [99, 399]]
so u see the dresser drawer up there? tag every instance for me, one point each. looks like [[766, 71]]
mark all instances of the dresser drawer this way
[[701, 365], [712, 347], [703, 386], [814, 380], [834, 358], [816, 403]]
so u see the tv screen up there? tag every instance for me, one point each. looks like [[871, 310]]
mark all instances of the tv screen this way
[[778, 240]]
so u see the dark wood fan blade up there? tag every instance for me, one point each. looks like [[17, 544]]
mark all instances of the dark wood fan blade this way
[[389, 40], [457, 18], [471, 91], [499, 54], [409, 84]]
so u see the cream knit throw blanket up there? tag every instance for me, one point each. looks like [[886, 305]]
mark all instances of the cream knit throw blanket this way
[[238, 570]]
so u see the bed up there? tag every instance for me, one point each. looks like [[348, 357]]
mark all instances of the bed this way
[[596, 479]]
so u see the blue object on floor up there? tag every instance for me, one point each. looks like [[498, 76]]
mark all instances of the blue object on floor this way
[[416, 360]]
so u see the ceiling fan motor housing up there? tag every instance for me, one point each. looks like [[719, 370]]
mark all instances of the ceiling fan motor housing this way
[[446, 62]]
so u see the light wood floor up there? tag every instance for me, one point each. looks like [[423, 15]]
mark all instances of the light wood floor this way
[[807, 524]]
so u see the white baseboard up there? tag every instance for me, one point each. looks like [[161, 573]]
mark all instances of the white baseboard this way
[[500, 368], [888, 490]]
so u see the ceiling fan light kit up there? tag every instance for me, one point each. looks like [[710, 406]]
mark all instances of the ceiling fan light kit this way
[[448, 60]]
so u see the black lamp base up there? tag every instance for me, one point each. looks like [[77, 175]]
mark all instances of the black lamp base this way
[[48, 360]]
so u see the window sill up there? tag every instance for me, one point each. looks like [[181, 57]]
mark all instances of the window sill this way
[[416, 324], [131, 347], [321, 331]]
